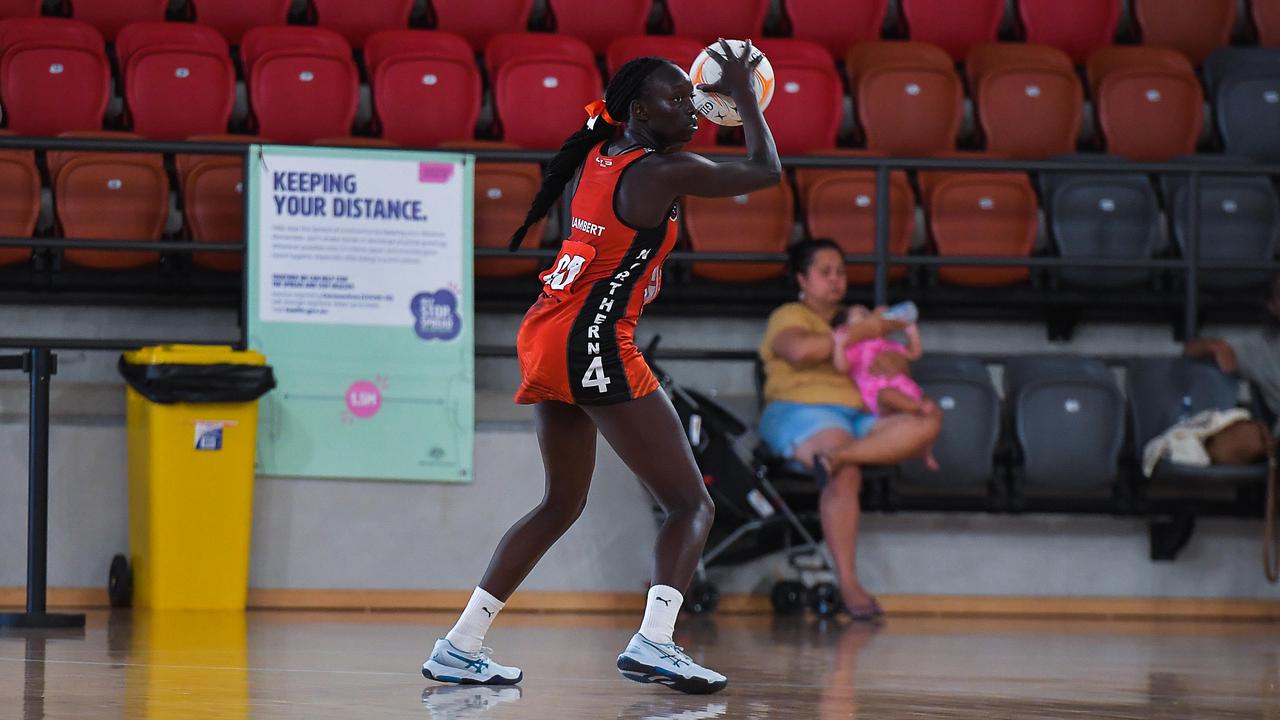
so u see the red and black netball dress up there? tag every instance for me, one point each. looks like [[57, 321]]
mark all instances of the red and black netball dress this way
[[577, 344]]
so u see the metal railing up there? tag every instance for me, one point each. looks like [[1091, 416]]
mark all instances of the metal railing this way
[[1190, 264]]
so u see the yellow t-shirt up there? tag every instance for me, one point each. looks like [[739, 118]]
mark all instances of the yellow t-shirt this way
[[817, 384]]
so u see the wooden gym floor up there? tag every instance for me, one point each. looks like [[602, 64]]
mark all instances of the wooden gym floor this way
[[277, 664]]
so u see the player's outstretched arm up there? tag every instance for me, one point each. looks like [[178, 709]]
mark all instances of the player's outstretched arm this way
[[692, 174]]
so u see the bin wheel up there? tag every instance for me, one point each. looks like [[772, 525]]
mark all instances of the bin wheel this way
[[120, 583], [825, 599], [702, 598], [788, 597]]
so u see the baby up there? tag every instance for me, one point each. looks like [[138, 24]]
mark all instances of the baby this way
[[884, 395]]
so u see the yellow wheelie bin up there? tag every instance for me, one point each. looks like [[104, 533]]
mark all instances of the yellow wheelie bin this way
[[192, 414]]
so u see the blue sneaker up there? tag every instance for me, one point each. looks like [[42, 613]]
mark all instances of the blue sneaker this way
[[665, 663], [449, 664]]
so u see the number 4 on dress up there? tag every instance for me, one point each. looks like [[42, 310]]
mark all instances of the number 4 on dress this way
[[594, 377]]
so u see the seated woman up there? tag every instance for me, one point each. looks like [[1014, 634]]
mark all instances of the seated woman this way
[[814, 411]]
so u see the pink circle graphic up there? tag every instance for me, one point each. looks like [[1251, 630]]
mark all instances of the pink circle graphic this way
[[364, 399]]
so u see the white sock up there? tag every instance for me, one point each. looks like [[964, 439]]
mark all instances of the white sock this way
[[468, 634], [660, 613]]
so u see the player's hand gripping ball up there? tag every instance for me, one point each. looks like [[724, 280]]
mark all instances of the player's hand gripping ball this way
[[718, 107]]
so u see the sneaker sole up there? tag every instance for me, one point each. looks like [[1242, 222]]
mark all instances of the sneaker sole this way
[[439, 676], [639, 672]]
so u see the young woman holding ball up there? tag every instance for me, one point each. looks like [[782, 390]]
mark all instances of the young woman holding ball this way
[[581, 368]]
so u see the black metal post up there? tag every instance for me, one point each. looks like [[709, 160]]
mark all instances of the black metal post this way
[[38, 372], [246, 230], [882, 235], [40, 366], [1191, 320]]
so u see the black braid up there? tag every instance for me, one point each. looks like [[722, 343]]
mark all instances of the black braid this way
[[623, 87]]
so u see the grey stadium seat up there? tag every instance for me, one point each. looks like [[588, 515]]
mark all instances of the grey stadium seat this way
[[1239, 222], [1244, 86], [1068, 419], [966, 447], [1102, 215], [1159, 391]]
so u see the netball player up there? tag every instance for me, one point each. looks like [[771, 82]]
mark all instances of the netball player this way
[[581, 368]]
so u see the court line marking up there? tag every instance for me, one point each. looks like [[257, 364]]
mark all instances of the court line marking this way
[[202, 667]]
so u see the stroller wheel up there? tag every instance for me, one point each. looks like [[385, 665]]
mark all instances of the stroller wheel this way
[[825, 599], [789, 597], [702, 598]]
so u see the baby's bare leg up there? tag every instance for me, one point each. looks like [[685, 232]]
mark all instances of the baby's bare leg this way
[[893, 400]]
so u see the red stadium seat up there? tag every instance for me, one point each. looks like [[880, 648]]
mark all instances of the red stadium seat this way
[[300, 67], [541, 83], [1148, 100], [48, 29], [54, 75], [909, 99], [20, 8], [984, 214], [318, 41], [1266, 19], [55, 159], [110, 196], [841, 205], [110, 16], [178, 79], [213, 204], [19, 200], [757, 222], [183, 162], [953, 25], [233, 18], [679, 50], [1192, 28], [357, 20], [809, 98], [479, 22], [1076, 28], [415, 69], [1028, 99], [836, 25], [503, 193], [597, 23], [708, 20], [356, 141]]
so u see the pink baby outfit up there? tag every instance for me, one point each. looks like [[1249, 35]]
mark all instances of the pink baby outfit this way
[[861, 355]]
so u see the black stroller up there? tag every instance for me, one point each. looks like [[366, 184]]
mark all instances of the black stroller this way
[[752, 517]]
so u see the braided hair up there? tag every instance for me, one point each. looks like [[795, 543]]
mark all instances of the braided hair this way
[[623, 88]]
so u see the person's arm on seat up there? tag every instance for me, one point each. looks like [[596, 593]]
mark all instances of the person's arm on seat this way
[[1219, 350]]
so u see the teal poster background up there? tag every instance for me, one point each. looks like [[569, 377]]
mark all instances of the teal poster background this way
[[360, 296]]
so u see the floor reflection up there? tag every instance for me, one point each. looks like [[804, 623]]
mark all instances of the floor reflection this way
[[318, 666], [466, 702]]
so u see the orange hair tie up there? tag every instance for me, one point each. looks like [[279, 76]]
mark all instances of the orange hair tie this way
[[597, 109]]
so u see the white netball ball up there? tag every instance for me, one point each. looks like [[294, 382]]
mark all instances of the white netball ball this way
[[719, 108]]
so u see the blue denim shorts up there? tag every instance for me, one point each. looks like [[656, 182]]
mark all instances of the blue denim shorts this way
[[784, 425]]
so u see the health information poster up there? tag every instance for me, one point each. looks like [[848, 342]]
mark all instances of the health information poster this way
[[360, 296]]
